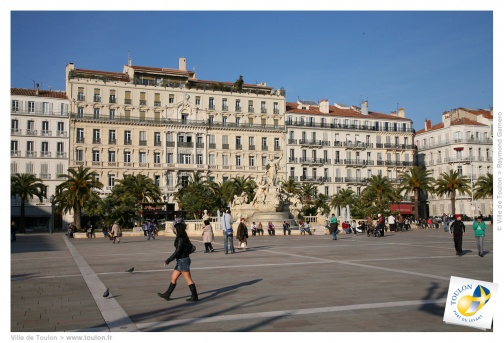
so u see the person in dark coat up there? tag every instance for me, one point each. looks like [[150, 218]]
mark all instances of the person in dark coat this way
[[333, 227], [242, 234], [183, 247], [457, 230]]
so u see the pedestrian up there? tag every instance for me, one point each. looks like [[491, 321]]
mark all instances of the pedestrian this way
[[391, 222], [150, 230], [227, 231], [116, 232], [145, 228], [333, 227], [445, 220], [260, 231], [271, 229], [353, 225], [242, 234], [286, 228], [479, 228], [13, 231], [183, 247], [457, 230], [253, 228], [208, 236], [380, 225]]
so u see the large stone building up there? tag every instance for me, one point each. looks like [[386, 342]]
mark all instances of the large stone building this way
[[166, 124], [462, 141], [39, 146], [337, 147]]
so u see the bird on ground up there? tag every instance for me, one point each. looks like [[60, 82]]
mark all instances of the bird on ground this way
[[130, 270], [106, 294]]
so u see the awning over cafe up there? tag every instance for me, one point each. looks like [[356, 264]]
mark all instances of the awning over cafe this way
[[402, 208]]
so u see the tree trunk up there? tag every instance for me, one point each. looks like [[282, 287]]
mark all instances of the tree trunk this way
[[452, 198], [77, 216]]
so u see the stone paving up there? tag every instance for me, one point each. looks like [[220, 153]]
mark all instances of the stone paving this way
[[396, 283]]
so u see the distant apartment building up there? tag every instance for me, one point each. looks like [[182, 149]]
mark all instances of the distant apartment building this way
[[335, 146], [166, 124], [39, 146], [462, 141]]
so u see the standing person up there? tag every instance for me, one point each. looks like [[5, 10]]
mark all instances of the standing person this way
[[271, 229], [391, 222], [445, 221], [227, 231], [116, 233], [353, 225], [183, 248], [260, 231], [242, 234], [457, 230], [286, 227], [253, 228], [13, 231], [333, 227], [208, 236], [380, 225], [479, 228]]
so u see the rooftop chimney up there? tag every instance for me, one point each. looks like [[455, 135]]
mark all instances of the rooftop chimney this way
[[364, 108], [428, 125], [324, 106], [401, 113], [182, 64], [37, 89]]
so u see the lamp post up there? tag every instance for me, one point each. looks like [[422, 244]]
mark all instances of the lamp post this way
[[51, 225], [471, 164]]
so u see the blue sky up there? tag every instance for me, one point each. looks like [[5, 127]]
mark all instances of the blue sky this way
[[425, 61]]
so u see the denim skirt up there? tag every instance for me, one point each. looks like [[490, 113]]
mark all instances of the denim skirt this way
[[183, 264]]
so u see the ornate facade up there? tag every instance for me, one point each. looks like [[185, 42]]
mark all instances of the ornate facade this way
[[166, 124], [463, 142], [337, 147], [39, 146]]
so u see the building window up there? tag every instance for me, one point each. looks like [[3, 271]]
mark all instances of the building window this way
[[96, 113], [112, 114], [112, 137], [276, 110], [263, 106], [157, 180], [238, 160], [127, 157], [45, 107], [80, 112], [211, 105], [171, 99], [237, 105], [111, 156], [199, 159], [197, 101], [224, 104], [96, 135], [142, 157], [31, 106], [79, 155], [15, 105], [96, 156], [127, 137], [251, 161], [157, 157], [169, 157]]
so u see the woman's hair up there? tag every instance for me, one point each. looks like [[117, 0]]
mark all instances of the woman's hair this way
[[181, 230], [206, 222]]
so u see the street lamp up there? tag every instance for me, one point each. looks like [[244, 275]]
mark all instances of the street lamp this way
[[51, 226], [470, 163]]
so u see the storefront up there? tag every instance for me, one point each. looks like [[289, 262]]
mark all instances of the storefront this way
[[405, 209]]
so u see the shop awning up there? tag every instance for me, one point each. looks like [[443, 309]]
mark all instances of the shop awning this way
[[402, 208]]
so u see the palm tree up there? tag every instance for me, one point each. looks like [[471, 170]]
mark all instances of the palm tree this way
[[308, 192], [76, 190], [196, 193], [344, 197], [451, 183], [484, 187], [380, 188], [415, 180], [322, 202], [290, 186], [242, 184], [139, 187], [26, 187]]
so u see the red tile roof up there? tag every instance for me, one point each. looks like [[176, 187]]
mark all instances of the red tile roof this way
[[291, 107], [454, 121], [42, 93], [110, 74], [433, 127]]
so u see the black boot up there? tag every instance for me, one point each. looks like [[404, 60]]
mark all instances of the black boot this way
[[166, 295], [194, 294]]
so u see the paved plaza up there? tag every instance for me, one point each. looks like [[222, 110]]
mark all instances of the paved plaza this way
[[396, 283]]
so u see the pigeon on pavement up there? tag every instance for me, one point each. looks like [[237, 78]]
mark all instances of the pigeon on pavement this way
[[106, 294], [130, 270]]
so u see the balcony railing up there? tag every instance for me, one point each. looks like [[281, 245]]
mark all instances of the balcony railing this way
[[61, 133], [157, 143], [45, 154], [31, 132], [30, 154], [212, 145], [143, 103], [349, 127], [455, 141], [44, 176], [61, 154], [225, 146], [15, 131], [239, 147], [186, 144], [96, 140], [200, 145], [96, 98], [127, 101], [142, 142], [264, 147], [15, 153], [128, 142], [79, 139], [112, 99], [157, 103], [170, 144]]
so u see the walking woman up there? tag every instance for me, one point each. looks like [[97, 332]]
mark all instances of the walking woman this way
[[479, 228], [183, 248], [242, 234], [333, 227], [116, 233], [208, 236]]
